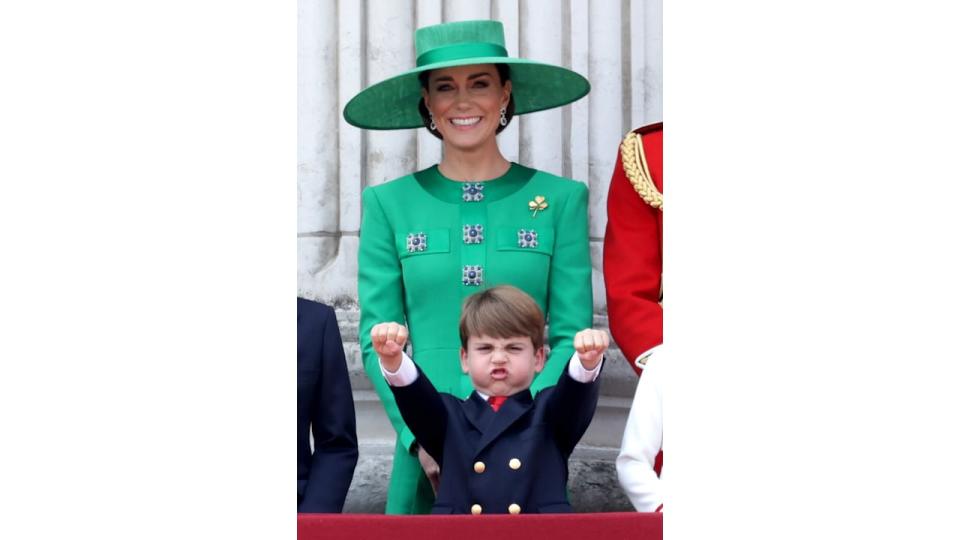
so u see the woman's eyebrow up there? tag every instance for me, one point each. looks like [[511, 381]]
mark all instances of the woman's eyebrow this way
[[471, 77]]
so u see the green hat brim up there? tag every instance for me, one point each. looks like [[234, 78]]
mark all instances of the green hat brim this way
[[392, 104]]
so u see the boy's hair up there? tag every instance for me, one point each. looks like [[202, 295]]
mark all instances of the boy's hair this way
[[501, 312]]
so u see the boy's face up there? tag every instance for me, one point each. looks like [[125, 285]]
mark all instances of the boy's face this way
[[501, 366]]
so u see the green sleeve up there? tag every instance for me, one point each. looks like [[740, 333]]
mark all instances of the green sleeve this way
[[570, 288], [380, 288]]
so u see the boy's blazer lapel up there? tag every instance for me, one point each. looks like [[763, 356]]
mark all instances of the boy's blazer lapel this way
[[491, 424], [478, 412]]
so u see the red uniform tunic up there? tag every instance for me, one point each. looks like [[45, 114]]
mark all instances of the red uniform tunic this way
[[633, 251]]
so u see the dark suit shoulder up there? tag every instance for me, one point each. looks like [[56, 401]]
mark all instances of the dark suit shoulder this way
[[312, 308]]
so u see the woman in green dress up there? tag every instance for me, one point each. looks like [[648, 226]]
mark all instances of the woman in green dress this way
[[475, 220]]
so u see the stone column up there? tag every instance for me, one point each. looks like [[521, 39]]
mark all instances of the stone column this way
[[541, 133], [319, 226]]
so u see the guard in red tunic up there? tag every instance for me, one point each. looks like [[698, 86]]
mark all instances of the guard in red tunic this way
[[633, 247], [632, 272]]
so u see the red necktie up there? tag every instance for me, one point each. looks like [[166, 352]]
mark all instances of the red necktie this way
[[496, 402]]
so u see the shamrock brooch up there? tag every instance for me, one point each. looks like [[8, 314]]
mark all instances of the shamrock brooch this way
[[538, 204]]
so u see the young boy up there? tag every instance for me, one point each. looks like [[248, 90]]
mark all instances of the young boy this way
[[501, 450]]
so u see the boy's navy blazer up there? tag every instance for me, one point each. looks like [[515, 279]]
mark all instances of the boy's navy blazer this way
[[325, 403], [516, 456]]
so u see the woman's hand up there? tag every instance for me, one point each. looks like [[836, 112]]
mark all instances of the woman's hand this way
[[388, 341], [430, 467]]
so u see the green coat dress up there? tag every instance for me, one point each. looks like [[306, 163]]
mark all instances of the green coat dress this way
[[428, 242]]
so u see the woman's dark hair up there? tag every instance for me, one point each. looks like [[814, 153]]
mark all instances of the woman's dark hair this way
[[502, 69]]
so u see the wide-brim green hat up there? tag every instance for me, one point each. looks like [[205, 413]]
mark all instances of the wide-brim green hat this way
[[392, 104]]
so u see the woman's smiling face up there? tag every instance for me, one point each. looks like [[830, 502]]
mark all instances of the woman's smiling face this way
[[465, 102]]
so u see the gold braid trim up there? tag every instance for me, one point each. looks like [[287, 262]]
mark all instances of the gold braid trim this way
[[635, 165]]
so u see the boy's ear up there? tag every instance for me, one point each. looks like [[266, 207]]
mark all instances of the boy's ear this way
[[463, 360], [539, 360]]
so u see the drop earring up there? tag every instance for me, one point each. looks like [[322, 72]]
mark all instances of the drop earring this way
[[503, 116], [433, 126]]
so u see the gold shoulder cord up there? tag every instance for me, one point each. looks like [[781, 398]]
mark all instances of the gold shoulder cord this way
[[635, 165]]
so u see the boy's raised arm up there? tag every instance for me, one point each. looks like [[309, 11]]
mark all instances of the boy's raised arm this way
[[574, 400]]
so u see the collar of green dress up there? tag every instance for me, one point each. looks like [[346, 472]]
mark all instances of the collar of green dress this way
[[452, 191]]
